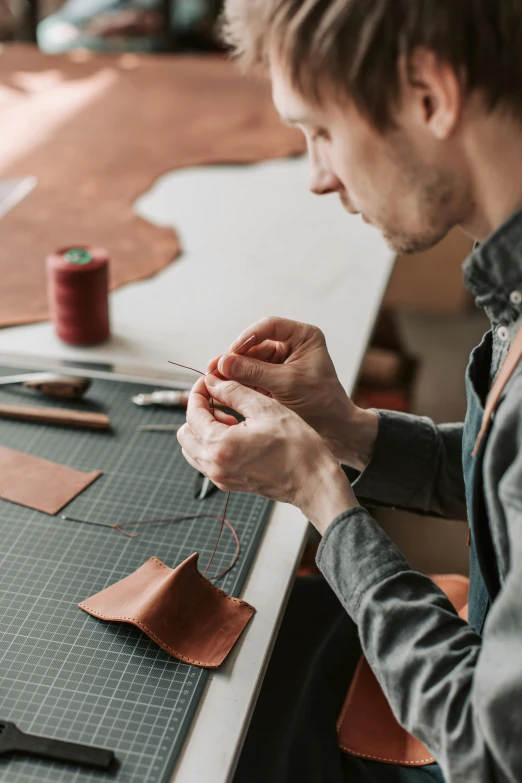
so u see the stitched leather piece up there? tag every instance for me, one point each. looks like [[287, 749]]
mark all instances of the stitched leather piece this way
[[179, 609], [39, 483], [367, 727]]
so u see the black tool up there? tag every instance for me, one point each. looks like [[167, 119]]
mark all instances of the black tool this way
[[12, 740], [203, 487]]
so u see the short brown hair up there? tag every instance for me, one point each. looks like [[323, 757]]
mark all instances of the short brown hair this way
[[355, 45]]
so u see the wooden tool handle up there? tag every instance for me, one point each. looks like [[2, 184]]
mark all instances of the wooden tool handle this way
[[62, 417]]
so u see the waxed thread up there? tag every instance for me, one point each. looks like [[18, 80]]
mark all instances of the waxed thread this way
[[224, 521], [169, 520], [223, 518]]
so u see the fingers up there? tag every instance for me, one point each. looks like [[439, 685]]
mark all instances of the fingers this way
[[268, 351], [192, 449], [240, 398], [240, 350], [191, 461], [213, 363], [225, 418], [244, 347], [251, 372], [201, 421], [271, 328]]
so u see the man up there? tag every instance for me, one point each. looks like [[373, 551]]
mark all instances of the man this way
[[412, 111]]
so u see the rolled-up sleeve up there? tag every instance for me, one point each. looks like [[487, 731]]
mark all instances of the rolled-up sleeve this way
[[415, 465]]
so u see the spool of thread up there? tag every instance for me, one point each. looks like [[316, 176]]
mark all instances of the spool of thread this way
[[77, 286]]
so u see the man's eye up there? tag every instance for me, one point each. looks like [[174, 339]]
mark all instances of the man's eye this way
[[320, 134]]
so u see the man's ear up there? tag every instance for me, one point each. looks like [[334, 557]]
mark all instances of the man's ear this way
[[432, 91]]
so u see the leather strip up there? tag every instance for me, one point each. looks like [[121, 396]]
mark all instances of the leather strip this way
[[510, 364]]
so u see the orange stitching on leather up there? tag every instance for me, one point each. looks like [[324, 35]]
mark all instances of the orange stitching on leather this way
[[209, 584], [389, 761]]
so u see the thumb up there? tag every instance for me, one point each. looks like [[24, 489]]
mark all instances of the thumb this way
[[251, 372], [233, 395]]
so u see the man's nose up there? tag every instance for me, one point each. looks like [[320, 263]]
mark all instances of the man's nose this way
[[323, 181]]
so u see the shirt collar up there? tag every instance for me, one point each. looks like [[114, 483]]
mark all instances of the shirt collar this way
[[493, 272]]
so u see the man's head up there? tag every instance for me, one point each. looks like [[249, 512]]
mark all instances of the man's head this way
[[385, 92]]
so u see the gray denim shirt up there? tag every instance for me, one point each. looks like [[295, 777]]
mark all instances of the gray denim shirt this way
[[458, 692]]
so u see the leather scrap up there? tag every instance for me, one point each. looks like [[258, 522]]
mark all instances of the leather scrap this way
[[179, 609], [367, 727], [97, 131], [38, 483]]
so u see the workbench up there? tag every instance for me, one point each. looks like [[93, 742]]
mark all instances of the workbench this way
[[256, 243]]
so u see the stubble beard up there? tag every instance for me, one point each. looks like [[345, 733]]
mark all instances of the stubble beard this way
[[441, 206], [442, 199]]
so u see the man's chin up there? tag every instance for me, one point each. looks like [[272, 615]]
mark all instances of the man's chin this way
[[407, 245]]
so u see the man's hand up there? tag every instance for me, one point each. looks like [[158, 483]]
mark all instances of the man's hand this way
[[273, 452], [289, 362]]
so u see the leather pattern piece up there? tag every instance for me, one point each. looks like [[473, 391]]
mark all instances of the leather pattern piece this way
[[179, 609], [96, 131], [367, 727], [39, 483]]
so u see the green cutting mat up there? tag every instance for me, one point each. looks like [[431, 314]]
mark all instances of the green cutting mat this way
[[63, 673]]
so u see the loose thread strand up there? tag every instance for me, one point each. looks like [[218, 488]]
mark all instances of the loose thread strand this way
[[187, 368], [219, 535], [241, 349], [172, 520], [100, 524], [224, 521], [189, 517]]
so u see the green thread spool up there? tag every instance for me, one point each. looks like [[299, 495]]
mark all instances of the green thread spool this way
[[79, 256]]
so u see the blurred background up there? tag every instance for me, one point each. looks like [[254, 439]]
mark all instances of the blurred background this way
[[428, 323], [111, 25]]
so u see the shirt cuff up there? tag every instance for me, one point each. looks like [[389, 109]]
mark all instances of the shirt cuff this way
[[403, 461]]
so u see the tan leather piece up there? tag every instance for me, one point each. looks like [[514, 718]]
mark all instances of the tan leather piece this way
[[367, 727], [39, 483], [179, 609], [61, 417], [97, 131]]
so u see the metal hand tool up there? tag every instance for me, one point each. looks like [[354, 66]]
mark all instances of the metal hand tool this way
[[166, 398], [66, 387], [159, 427], [203, 487]]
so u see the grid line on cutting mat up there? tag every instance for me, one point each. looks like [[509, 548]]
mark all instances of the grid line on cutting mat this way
[[64, 673]]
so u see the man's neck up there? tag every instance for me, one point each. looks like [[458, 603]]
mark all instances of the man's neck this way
[[493, 149]]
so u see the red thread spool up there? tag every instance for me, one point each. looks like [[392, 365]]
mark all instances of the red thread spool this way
[[77, 287]]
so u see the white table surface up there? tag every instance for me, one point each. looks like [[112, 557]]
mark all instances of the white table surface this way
[[256, 243]]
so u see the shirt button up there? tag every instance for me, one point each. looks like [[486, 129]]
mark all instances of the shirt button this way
[[503, 333], [515, 297]]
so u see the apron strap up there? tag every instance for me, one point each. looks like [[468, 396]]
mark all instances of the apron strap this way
[[510, 364]]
